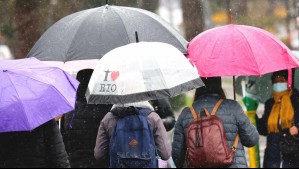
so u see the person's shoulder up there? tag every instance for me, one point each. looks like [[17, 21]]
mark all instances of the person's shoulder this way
[[153, 115], [230, 102]]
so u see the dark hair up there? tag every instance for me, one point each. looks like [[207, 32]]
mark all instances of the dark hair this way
[[213, 85], [83, 76]]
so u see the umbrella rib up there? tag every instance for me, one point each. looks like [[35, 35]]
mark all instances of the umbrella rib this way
[[122, 21], [60, 94], [22, 105], [51, 84], [272, 39], [173, 31], [66, 59], [250, 49], [206, 62]]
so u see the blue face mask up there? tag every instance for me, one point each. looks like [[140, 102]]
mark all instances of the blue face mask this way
[[280, 87]]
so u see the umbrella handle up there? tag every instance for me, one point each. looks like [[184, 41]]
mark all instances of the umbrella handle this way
[[136, 36], [235, 96], [290, 78]]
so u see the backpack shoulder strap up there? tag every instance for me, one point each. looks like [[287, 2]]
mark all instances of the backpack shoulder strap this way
[[193, 113], [145, 112], [197, 116], [216, 107]]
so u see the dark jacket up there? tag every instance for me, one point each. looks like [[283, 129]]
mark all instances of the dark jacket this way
[[164, 110], [272, 152], [81, 138], [80, 127], [262, 123], [41, 148], [234, 121]]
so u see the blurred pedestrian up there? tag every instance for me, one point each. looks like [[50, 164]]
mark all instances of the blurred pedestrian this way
[[150, 136], [280, 123], [41, 148], [80, 127], [230, 112], [5, 53]]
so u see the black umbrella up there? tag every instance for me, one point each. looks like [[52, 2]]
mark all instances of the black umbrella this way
[[90, 34]]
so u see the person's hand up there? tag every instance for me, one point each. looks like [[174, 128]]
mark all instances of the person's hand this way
[[250, 104], [58, 118], [294, 131]]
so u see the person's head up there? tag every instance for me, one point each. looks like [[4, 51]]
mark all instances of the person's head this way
[[280, 81], [213, 85], [83, 77]]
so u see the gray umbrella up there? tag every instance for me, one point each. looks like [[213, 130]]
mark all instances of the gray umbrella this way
[[91, 33]]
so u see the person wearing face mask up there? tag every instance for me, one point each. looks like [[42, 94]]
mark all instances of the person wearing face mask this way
[[280, 119]]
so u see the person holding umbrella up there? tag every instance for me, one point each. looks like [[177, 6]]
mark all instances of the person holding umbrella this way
[[32, 95], [80, 127], [128, 77], [280, 123]]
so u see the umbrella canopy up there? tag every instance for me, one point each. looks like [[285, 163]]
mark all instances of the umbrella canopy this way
[[90, 34], [32, 93], [141, 71], [260, 87], [239, 50]]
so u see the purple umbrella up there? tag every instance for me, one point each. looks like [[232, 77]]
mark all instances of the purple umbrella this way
[[32, 93]]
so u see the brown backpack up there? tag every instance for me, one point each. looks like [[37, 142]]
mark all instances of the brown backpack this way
[[207, 146]]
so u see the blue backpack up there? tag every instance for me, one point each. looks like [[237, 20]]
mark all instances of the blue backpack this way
[[132, 144]]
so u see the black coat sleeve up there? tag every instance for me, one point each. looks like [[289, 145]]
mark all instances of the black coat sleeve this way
[[55, 149], [262, 123], [164, 110]]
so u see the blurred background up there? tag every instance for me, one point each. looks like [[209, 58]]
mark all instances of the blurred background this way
[[22, 22]]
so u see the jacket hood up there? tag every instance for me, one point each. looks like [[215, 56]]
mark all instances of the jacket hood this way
[[122, 110], [83, 77]]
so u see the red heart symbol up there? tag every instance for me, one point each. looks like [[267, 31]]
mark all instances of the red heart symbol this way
[[114, 75]]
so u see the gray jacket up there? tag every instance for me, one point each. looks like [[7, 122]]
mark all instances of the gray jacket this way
[[108, 124], [234, 121]]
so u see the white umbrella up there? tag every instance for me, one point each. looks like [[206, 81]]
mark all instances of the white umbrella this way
[[139, 72]]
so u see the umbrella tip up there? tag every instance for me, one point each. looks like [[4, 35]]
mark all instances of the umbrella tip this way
[[230, 16], [137, 38]]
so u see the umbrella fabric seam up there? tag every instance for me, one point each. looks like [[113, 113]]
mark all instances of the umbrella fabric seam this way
[[122, 21], [57, 91], [286, 50], [183, 47], [157, 19], [19, 99], [67, 52], [250, 49], [206, 63]]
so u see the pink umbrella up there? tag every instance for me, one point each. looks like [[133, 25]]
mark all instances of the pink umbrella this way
[[235, 50]]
